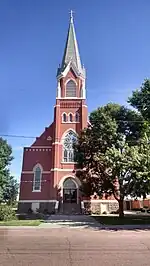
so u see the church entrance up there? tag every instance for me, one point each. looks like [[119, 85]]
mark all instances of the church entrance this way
[[69, 191]]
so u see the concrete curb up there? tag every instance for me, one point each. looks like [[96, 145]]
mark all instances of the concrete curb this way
[[125, 227], [98, 227]]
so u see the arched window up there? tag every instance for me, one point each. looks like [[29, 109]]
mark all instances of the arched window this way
[[69, 183], [70, 89], [70, 118], [77, 117], [68, 146], [64, 117], [37, 178]]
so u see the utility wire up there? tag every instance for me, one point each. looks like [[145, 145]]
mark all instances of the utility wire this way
[[33, 137], [16, 136]]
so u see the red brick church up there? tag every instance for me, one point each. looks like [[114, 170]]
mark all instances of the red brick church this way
[[48, 180], [48, 165]]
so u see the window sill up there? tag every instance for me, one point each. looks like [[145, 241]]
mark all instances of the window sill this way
[[70, 122], [68, 162], [36, 190]]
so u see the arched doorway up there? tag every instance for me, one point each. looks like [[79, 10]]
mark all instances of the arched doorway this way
[[70, 191]]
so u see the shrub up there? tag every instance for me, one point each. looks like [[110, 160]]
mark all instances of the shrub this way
[[30, 211], [104, 212], [137, 209], [7, 213], [45, 211]]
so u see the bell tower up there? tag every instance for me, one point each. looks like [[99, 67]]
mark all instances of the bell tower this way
[[71, 74], [70, 111]]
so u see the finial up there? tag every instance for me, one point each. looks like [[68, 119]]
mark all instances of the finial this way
[[71, 16]]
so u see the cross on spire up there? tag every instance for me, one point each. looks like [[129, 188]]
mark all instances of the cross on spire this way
[[71, 15]]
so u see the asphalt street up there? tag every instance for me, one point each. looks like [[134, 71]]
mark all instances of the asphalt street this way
[[72, 247]]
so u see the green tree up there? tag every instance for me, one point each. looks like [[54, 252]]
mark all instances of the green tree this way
[[107, 151], [10, 191], [140, 99], [8, 185]]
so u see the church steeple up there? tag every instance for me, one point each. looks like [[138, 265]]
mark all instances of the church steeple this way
[[71, 52]]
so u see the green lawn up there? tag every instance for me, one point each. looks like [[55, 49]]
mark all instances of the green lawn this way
[[127, 220], [21, 223]]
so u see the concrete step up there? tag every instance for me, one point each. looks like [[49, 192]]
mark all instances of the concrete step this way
[[70, 208]]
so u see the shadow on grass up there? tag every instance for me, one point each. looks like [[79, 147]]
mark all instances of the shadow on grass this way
[[97, 223]]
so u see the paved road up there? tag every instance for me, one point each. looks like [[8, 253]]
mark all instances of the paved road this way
[[70, 247]]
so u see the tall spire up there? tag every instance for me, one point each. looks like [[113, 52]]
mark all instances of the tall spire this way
[[71, 52]]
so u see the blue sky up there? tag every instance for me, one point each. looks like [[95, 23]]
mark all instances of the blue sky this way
[[114, 43]]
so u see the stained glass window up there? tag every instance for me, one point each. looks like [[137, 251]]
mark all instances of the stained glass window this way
[[37, 179], [68, 146]]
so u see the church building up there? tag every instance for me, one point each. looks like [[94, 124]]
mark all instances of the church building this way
[[48, 178], [48, 170]]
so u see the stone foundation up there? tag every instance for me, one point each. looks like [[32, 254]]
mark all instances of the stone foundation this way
[[47, 207], [101, 206]]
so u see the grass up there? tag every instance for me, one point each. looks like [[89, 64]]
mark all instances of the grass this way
[[127, 220], [21, 223]]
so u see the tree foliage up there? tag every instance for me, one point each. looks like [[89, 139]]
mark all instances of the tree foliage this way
[[140, 99], [7, 213], [8, 185], [110, 154]]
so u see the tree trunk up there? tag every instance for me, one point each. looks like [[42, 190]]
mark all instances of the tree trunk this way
[[121, 208]]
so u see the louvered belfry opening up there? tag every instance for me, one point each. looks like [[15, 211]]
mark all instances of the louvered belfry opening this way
[[70, 89]]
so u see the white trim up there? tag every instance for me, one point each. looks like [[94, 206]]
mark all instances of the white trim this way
[[69, 98], [32, 172], [57, 105], [61, 170], [62, 142], [58, 89], [100, 201], [69, 79], [84, 105], [26, 201], [68, 67], [37, 165], [75, 179], [40, 147], [83, 89], [62, 116], [74, 122], [69, 176], [64, 73], [37, 149], [62, 162], [66, 70], [64, 113], [56, 142]]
